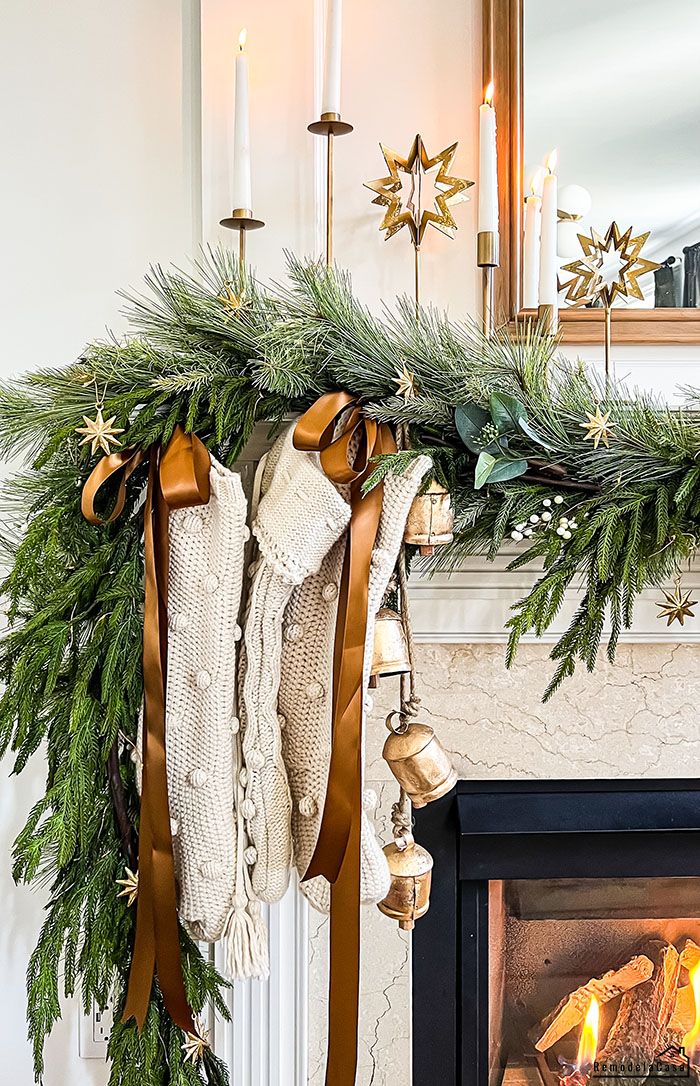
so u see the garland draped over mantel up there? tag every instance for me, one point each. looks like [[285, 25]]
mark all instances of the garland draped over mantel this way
[[600, 486]]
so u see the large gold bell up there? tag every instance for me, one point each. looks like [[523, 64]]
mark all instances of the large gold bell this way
[[419, 762], [411, 871], [390, 655], [430, 520]]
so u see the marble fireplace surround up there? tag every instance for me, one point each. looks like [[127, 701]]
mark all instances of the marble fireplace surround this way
[[636, 718]]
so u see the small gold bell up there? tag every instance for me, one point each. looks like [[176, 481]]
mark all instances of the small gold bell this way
[[390, 656], [411, 871], [419, 762], [430, 519]]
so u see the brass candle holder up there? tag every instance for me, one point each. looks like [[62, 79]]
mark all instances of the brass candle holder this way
[[330, 125], [407, 210], [487, 260], [548, 316], [241, 219]]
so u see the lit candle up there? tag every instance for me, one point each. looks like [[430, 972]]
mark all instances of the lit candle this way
[[488, 168], [330, 102], [548, 241], [242, 195], [531, 244]]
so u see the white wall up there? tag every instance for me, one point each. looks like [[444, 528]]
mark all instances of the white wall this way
[[95, 182]]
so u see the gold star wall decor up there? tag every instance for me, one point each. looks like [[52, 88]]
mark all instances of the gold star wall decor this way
[[99, 433], [599, 427], [676, 605], [405, 209], [610, 267]]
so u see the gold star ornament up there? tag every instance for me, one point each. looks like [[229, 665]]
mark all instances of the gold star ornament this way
[[610, 267], [194, 1044], [401, 191], [100, 434], [130, 886], [232, 300], [405, 382], [676, 605], [599, 427]]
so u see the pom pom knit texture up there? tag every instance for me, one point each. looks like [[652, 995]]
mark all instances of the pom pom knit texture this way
[[206, 572], [307, 663], [300, 517]]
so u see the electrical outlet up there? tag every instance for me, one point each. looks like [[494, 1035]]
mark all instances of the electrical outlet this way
[[94, 1032]]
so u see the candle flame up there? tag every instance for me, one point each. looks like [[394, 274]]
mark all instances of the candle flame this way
[[536, 181], [488, 94], [242, 39], [691, 1041], [588, 1045], [552, 159]]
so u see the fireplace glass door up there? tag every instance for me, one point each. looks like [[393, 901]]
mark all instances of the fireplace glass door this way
[[593, 980]]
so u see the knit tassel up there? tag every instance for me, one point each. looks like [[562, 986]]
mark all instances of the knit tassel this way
[[245, 937]]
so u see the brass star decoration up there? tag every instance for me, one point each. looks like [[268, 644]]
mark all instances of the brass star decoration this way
[[99, 433], [416, 164], [405, 382], [232, 300], [676, 605], [194, 1044], [599, 427], [131, 886], [590, 281]]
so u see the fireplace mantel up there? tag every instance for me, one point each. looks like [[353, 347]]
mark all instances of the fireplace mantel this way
[[473, 604]]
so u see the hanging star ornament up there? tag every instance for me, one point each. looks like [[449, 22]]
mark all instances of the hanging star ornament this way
[[599, 427], [99, 433], [404, 208], [194, 1044], [130, 886], [676, 605], [610, 267], [405, 382]]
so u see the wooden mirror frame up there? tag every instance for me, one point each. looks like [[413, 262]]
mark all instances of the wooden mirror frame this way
[[503, 62]]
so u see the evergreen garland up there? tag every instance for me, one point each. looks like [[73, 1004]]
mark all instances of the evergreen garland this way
[[214, 351]]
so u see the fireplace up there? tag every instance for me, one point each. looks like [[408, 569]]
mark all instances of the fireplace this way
[[563, 940]]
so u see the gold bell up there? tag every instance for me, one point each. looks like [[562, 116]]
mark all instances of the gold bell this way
[[390, 655], [430, 519], [419, 762], [411, 871]]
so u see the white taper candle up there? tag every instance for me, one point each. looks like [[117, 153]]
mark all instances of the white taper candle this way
[[548, 242], [242, 188], [488, 166], [330, 102], [531, 243]]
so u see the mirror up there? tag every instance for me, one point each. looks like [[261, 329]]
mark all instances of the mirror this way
[[613, 85]]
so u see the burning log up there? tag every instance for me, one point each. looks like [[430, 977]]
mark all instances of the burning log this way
[[572, 1010], [645, 1011]]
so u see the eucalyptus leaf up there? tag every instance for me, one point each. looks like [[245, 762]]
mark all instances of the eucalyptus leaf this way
[[525, 428], [506, 411], [484, 466], [507, 469], [470, 421]]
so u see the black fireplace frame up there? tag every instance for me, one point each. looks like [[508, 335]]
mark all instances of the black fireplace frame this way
[[485, 830]]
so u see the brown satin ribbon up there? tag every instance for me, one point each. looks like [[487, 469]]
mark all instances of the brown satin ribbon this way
[[337, 852], [178, 478]]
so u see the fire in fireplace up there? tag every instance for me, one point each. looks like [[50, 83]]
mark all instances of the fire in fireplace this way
[[562, 947]]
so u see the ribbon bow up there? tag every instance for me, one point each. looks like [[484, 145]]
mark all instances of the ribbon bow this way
[[346, 460], [178, 478]]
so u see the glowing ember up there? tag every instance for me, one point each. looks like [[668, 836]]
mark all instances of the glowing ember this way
[[691, 1041], [587, 1048]]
